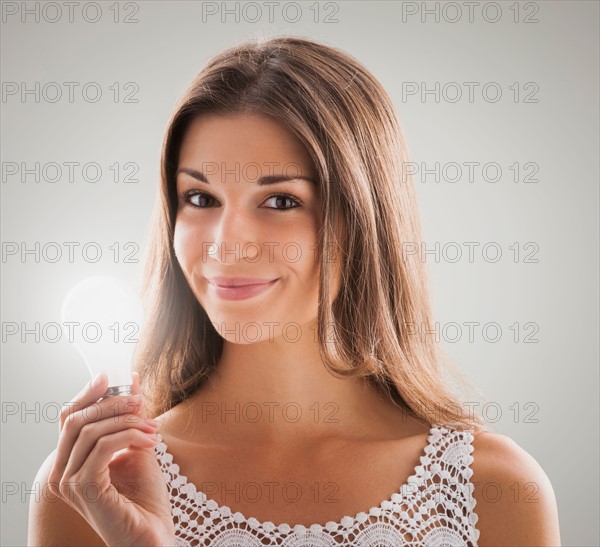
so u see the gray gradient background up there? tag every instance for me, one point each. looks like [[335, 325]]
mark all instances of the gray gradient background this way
[[162, 53]]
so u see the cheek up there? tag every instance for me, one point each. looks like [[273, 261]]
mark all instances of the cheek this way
[[184, 246], [301, 249]]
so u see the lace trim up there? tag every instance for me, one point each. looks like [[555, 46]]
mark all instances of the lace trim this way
[[198, 502], [471, 501]]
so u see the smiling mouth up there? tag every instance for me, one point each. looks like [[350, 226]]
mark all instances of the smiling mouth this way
[[241, 292], [240, 286], [233, 282]]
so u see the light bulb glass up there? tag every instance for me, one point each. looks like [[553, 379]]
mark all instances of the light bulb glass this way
[[104, 316]]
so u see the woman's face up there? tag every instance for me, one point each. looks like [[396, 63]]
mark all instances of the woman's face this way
[[233, 222]]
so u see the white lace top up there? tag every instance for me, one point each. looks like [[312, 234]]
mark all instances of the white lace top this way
[[434, 508]]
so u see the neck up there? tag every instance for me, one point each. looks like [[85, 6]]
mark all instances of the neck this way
[[277, 391]]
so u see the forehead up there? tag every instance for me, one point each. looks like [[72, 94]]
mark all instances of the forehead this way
[[243, 139]]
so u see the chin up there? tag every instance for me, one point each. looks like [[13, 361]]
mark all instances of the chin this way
[[245, 328]]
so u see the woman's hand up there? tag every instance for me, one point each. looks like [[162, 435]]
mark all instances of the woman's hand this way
[[122, 496]]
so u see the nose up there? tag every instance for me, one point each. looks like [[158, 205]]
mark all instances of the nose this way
[[234, 237]]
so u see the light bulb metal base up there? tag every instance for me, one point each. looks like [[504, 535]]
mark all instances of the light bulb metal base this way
[[118, 390]]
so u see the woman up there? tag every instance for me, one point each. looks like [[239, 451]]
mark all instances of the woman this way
[[285, 352]]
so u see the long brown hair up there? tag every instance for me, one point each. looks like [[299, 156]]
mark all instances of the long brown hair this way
[[374, 327]]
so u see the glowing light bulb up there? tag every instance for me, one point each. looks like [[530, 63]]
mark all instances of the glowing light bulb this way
[[106, 316]]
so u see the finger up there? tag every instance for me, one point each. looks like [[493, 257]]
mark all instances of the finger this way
[[91, 392], [106, 409], [95, 468], [90, 434]]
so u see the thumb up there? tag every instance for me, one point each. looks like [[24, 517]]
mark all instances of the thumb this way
[[135, 387]]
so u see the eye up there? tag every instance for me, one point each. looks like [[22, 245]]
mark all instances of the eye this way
[[189, 196], [295, 201]]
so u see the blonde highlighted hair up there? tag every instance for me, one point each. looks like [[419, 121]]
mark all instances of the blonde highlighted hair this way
[[373, 328]]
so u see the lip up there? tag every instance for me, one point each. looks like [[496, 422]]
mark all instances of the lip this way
[[228, 282], [240, 288]]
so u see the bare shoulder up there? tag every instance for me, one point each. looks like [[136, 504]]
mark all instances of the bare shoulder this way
[[514, 498], [52, 521]]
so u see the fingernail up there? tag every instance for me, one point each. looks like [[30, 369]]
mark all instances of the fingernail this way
[[97, 380], [151, 422]]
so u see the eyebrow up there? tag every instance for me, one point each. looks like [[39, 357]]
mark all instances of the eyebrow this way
[[262, 181]]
